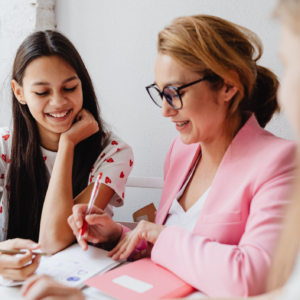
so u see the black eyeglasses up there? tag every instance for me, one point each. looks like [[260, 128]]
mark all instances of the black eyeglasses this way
[[171, 94]]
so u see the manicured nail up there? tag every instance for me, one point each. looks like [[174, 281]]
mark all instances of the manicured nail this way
[[78, 224], [34, 245]]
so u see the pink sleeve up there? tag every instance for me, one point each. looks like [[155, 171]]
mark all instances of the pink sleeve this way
[[232, 270]]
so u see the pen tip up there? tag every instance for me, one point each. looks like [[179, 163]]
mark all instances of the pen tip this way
[[79, 239]]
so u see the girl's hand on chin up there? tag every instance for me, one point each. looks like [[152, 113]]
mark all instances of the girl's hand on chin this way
[[84, 127], [144, 231]]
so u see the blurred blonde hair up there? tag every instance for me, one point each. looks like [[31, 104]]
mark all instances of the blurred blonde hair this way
[[216, 47], [288, 246]]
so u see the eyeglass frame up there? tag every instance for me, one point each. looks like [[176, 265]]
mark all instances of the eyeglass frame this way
[[177, 89]]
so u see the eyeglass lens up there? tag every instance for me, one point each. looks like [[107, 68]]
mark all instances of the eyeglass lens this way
[[170, 94]]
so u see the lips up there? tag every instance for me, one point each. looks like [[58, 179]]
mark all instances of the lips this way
[[58, 116], [181, 124]]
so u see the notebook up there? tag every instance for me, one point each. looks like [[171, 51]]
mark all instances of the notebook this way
[[73, 266], [143, 280]]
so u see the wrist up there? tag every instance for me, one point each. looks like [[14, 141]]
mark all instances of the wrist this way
[[65, 142], [117, 234], [114, 238]]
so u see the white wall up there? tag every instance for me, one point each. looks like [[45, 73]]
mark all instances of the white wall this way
[[117, 40], [18, 19]]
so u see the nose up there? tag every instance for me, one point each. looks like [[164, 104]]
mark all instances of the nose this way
[[167, 110], [58, 99]]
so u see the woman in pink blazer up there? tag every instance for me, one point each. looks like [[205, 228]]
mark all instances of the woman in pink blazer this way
[[226, 178]]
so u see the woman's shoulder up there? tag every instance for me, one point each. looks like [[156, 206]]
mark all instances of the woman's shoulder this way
[[264, 143]]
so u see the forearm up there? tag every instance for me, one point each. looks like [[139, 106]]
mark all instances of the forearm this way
[[55, 233]]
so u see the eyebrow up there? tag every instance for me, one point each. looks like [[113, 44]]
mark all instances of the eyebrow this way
[[47, 83], [172, 83]]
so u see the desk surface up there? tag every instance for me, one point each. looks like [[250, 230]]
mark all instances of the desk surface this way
[[13, 293]]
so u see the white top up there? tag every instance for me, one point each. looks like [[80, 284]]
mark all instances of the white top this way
[[115, 162], [185, 219], [291, 291]]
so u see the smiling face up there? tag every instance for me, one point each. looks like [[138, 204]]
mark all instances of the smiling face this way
[[202, 117], [289, 91], [52, 91]]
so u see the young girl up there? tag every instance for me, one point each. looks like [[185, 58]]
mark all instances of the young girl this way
[[51, 156]]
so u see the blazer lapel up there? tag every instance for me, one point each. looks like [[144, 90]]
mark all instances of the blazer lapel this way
[[184, 170]]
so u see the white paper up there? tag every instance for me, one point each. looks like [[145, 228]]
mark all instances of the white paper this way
[[73, 266], [133, 284]]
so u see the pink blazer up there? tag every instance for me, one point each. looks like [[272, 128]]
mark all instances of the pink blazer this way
[[230, 249]]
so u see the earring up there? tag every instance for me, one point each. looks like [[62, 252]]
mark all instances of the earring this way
[[22, 102]]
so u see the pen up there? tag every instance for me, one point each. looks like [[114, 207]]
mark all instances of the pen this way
[[23, 252], [91, 204]]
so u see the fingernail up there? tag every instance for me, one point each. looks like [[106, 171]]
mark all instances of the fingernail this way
[[34, 245], [78, 224], [95, 241]]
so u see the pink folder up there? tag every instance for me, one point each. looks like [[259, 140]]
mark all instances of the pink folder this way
[[142, 280]]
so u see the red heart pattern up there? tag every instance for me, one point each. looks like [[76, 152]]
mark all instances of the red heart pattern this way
[[2, 176], [123, 195], [4, 157], [110, 160], [1, 209], [45, 158], [102, 155], [8, 161], [130, 163], [118, 149], [92, 169], [7, 188], [107, 180], [122, 175], [91, 179], [6, 137], [114, 143]]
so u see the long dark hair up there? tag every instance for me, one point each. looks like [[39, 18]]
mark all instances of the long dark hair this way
[[27, 174]]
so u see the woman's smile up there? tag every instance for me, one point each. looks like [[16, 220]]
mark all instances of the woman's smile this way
[[180, 126]]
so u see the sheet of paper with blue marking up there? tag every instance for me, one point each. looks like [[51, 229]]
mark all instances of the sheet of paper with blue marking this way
[[73, 266]]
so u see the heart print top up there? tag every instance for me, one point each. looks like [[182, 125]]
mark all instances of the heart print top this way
[[115, 162]]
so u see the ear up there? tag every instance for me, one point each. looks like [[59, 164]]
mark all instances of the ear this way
[[230, 89], [18, 91]]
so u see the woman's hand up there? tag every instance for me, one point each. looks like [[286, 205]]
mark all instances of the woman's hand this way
[[40, 287], [84, 127], [144, 231], [12, 267], [101, 228]]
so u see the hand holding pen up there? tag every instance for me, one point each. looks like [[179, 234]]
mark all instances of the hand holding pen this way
[[91, 224]]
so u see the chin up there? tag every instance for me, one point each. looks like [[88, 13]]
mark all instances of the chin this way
[[188, 140], [60, 129]]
